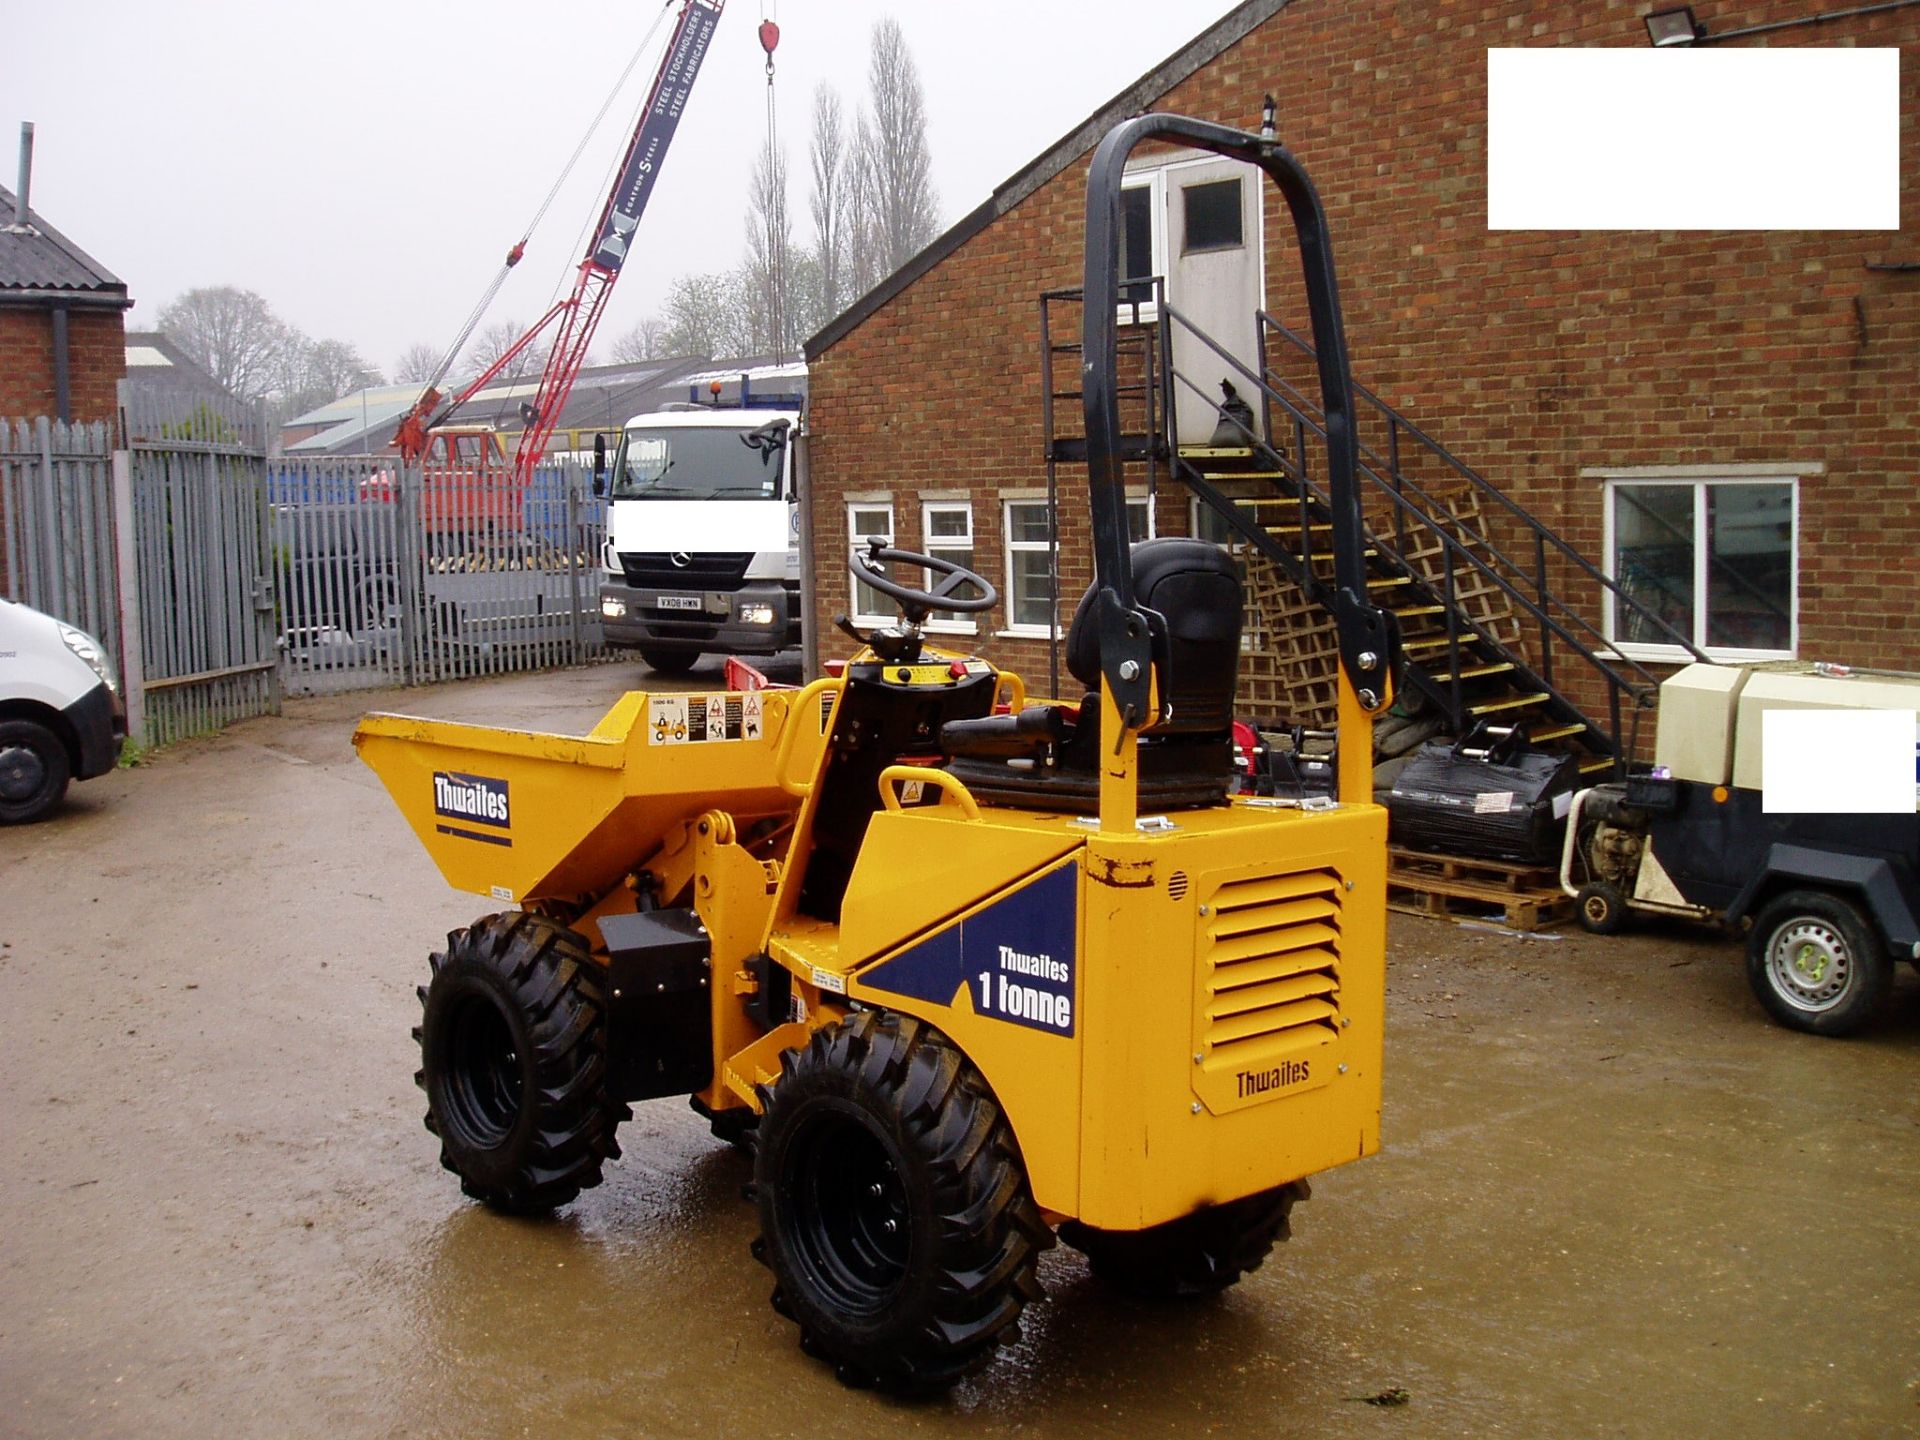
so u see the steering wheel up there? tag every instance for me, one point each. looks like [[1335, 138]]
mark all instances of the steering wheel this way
[[917, 604]]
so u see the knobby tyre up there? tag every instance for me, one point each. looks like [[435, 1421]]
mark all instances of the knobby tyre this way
[[513, 1043], [1198, 1254], [894, 1207]]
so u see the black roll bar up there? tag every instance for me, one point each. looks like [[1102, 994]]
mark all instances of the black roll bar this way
[[1366, 633]]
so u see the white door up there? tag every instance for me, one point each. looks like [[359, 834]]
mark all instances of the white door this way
[[1216, 279]]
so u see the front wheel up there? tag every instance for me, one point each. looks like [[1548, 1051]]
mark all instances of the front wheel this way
[[669, 662], [1198, 1254], [34, 771], [1816, 964], [1600, 908], [513, 1046], [894, 1209]]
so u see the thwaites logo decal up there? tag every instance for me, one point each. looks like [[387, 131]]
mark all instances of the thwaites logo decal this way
[[1016, 957], [472, 800]]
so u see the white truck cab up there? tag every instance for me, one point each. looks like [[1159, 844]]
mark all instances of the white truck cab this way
[[61, 715], [703, 530]]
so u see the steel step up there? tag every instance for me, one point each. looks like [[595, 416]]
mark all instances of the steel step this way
[[1514, 702], [1558, 732]]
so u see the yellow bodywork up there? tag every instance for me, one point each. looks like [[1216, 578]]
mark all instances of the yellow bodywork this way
[[1173, 1011]]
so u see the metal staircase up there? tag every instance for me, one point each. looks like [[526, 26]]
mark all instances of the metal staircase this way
[[1493, 604]]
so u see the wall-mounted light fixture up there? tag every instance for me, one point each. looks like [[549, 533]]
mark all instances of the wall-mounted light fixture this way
[[1674, 27], [1677, 25]]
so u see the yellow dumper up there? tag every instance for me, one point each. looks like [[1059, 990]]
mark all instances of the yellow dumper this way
[[966, 968]]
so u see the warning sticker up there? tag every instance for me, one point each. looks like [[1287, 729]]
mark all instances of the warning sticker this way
[[1494, 802], [697, 719], [667, 719], [751, 706]]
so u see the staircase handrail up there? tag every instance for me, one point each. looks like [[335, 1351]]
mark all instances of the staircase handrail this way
[[1487, 487], [1396, 494]]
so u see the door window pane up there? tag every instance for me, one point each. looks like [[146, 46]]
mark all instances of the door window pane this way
[[1213, 215]]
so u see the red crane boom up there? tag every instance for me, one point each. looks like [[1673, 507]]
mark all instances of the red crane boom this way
[[578, 316]]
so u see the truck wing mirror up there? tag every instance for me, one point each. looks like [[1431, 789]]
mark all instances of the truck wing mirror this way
[[599, 465]]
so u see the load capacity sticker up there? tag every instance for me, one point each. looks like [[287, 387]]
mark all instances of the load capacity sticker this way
[[699, 719]]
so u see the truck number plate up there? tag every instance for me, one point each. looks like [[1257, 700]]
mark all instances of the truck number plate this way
[[682, 602]]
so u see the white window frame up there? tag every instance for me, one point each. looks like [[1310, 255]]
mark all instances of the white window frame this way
[[1008, 548], [931, 545], [1701, 478], [855, 535]]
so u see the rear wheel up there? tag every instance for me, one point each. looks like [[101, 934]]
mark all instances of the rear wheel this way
[[894, 1210], [34, 771], [1198, 1254], [513, 1060], [669, 662], [1816, 964]]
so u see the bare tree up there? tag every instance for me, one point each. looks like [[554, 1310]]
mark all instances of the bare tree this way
[[829, 157], [416, 364], [866, 244], [494, 341], [902, 166], [314, 372], [231, 333], [769, 258], [700, 315], [642, 342]]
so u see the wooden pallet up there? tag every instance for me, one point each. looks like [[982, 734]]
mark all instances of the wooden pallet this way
[[1448, 887]]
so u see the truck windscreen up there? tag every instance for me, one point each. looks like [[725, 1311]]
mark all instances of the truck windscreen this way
[[699, 464]]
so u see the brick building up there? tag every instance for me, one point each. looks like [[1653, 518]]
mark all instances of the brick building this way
[[1747, 400], [62, 324]]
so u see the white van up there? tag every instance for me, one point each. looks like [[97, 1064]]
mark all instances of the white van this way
[[61, 715]]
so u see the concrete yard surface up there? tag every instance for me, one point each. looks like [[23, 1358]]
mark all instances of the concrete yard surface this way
[[1613, 1200]]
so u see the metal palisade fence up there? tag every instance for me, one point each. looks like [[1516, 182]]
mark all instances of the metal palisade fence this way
[[56, 511], [221, 577], [392, 575], [201, 565]]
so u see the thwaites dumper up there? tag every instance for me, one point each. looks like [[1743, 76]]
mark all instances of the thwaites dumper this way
[[965, 968]]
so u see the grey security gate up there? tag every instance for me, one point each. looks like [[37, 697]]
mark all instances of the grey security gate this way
[[56, 496], [203, 568], [391, 575]]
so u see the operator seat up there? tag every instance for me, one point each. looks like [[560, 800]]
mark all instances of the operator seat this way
[[1192, 593]]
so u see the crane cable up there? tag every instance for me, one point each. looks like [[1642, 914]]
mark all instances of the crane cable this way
[[519, 247], [776, 183]]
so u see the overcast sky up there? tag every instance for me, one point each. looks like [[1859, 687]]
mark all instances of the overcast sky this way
[[364, 164]]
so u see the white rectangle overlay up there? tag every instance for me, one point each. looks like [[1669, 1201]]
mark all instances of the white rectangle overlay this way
[[1789, 138], [1838, 762]]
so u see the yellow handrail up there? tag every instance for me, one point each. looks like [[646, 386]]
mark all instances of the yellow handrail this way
[[796, 709], [896, 774]]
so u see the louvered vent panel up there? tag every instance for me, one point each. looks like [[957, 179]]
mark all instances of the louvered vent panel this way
[[1271, 974]]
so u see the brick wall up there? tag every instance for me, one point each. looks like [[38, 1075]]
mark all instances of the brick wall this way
[[1532, 355], [96, 360]]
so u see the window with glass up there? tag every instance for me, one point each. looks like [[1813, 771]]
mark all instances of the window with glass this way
[[868, 521], [699, 463], [1029, 596], [1213, 216], [1137, 258], [946, 528], [1712, 559]]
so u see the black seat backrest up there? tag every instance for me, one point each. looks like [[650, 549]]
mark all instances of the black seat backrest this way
[[1194, 587]]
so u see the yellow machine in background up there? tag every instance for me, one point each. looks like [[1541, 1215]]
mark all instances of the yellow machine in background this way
[[968, 967]]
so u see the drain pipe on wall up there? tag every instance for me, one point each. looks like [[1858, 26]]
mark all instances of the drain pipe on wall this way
[[57, 314]]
